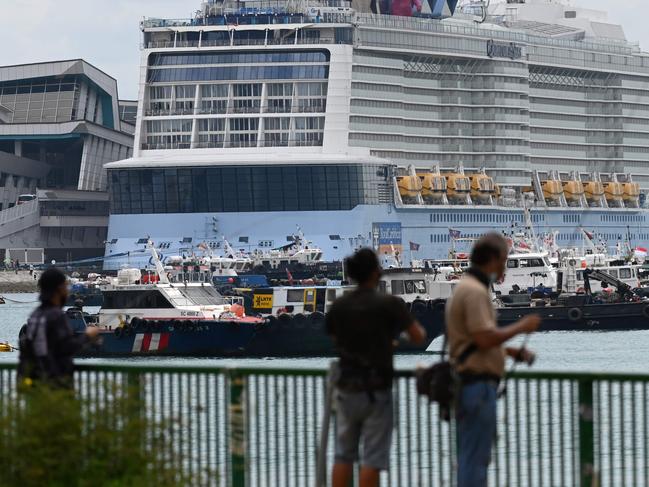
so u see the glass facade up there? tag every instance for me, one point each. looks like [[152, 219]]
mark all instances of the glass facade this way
[[210, 84], [41, 100], [241, 189]]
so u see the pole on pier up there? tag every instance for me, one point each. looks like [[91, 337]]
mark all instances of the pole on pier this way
[[587, 474], [237, 430]]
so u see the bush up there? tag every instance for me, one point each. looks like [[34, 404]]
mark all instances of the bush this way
[[49, 437]]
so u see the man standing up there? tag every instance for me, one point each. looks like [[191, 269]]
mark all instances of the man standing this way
[[476, 349], [47, 342], [365, 326]]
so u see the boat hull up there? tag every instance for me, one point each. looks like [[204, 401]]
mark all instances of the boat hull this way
[[204, 338]]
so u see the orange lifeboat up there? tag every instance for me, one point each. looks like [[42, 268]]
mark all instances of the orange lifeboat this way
[[433, 186], [594, 190], [613, 191], [631, 192], [482, 186], [409, 188], [552, 189], [458, 185], [573, 190]]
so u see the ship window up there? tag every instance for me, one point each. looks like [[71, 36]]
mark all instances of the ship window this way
[[136, 299], [613, 272], [415, 287], [201, 295], [295, 295], [531, 262], [625, 273], [243, 239], [331, 293], [512, 264], [397, 287]]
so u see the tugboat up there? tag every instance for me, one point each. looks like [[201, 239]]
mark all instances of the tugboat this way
[[161, 318]]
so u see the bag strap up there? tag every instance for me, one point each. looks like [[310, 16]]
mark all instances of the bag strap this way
[[466, 353]]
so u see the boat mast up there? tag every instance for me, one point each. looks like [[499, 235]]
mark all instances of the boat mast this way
[[155, 258]]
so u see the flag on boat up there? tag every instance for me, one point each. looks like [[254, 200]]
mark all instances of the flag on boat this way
[[588, 234], [203, 246], [454, 233], [414, 246]]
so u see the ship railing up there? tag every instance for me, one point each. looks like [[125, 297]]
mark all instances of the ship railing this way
[[239, 42], [231, 300], [261, 426]]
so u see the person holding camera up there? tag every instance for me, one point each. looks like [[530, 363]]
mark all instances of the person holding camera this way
[[477, 351], [365, 325]]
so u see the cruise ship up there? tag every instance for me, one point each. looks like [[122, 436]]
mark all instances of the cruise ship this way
[[397, 124]]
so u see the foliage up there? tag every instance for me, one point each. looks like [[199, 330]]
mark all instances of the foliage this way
[[52, 437]]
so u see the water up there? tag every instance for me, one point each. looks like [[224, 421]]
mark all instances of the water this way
[[620, 351]]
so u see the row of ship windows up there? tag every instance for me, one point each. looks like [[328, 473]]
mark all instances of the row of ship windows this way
[[624, 218], [278, 188], [384, 137], [483, 218], [240, 57], [562, 237], [401, 122], [237, 73], [426, 107], [608, 237], [234, 124], [237, 90], [238, 139]]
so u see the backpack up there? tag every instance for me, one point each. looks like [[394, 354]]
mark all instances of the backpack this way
[[437, 382]]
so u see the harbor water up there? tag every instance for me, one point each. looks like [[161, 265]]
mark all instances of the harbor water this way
[[277, 409], [623, 351]]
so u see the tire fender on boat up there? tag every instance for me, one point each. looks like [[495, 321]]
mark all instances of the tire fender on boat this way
[[136, 322], [418, 307], [575, 314]]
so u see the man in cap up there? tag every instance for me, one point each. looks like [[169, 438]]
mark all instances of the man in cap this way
[[47, 342]]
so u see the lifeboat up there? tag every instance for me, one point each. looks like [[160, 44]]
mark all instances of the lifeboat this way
[[614, 191], [552, 190], [409, 188], [594, 190], [631, 192], [573, 191], [482, 186], [433, 186], [458, 185]]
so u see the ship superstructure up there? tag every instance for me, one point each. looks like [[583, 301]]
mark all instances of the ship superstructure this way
[[384, 124]]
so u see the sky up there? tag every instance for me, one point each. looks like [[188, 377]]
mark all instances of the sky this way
[[106, 32]]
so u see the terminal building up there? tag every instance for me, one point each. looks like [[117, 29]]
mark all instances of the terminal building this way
[[59, 124]]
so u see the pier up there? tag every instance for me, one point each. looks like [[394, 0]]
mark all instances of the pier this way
[[261, 426]]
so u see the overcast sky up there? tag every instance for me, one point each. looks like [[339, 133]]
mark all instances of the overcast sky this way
[[106, 32]]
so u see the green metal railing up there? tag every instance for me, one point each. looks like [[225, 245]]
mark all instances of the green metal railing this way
[[261, 427]]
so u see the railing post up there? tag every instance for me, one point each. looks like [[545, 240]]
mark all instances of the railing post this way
[[237, 429], [586, 434]]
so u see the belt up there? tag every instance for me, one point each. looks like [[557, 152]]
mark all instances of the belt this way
[[468, 378]]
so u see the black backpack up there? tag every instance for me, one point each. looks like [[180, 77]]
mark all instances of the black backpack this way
[[437, 382]]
